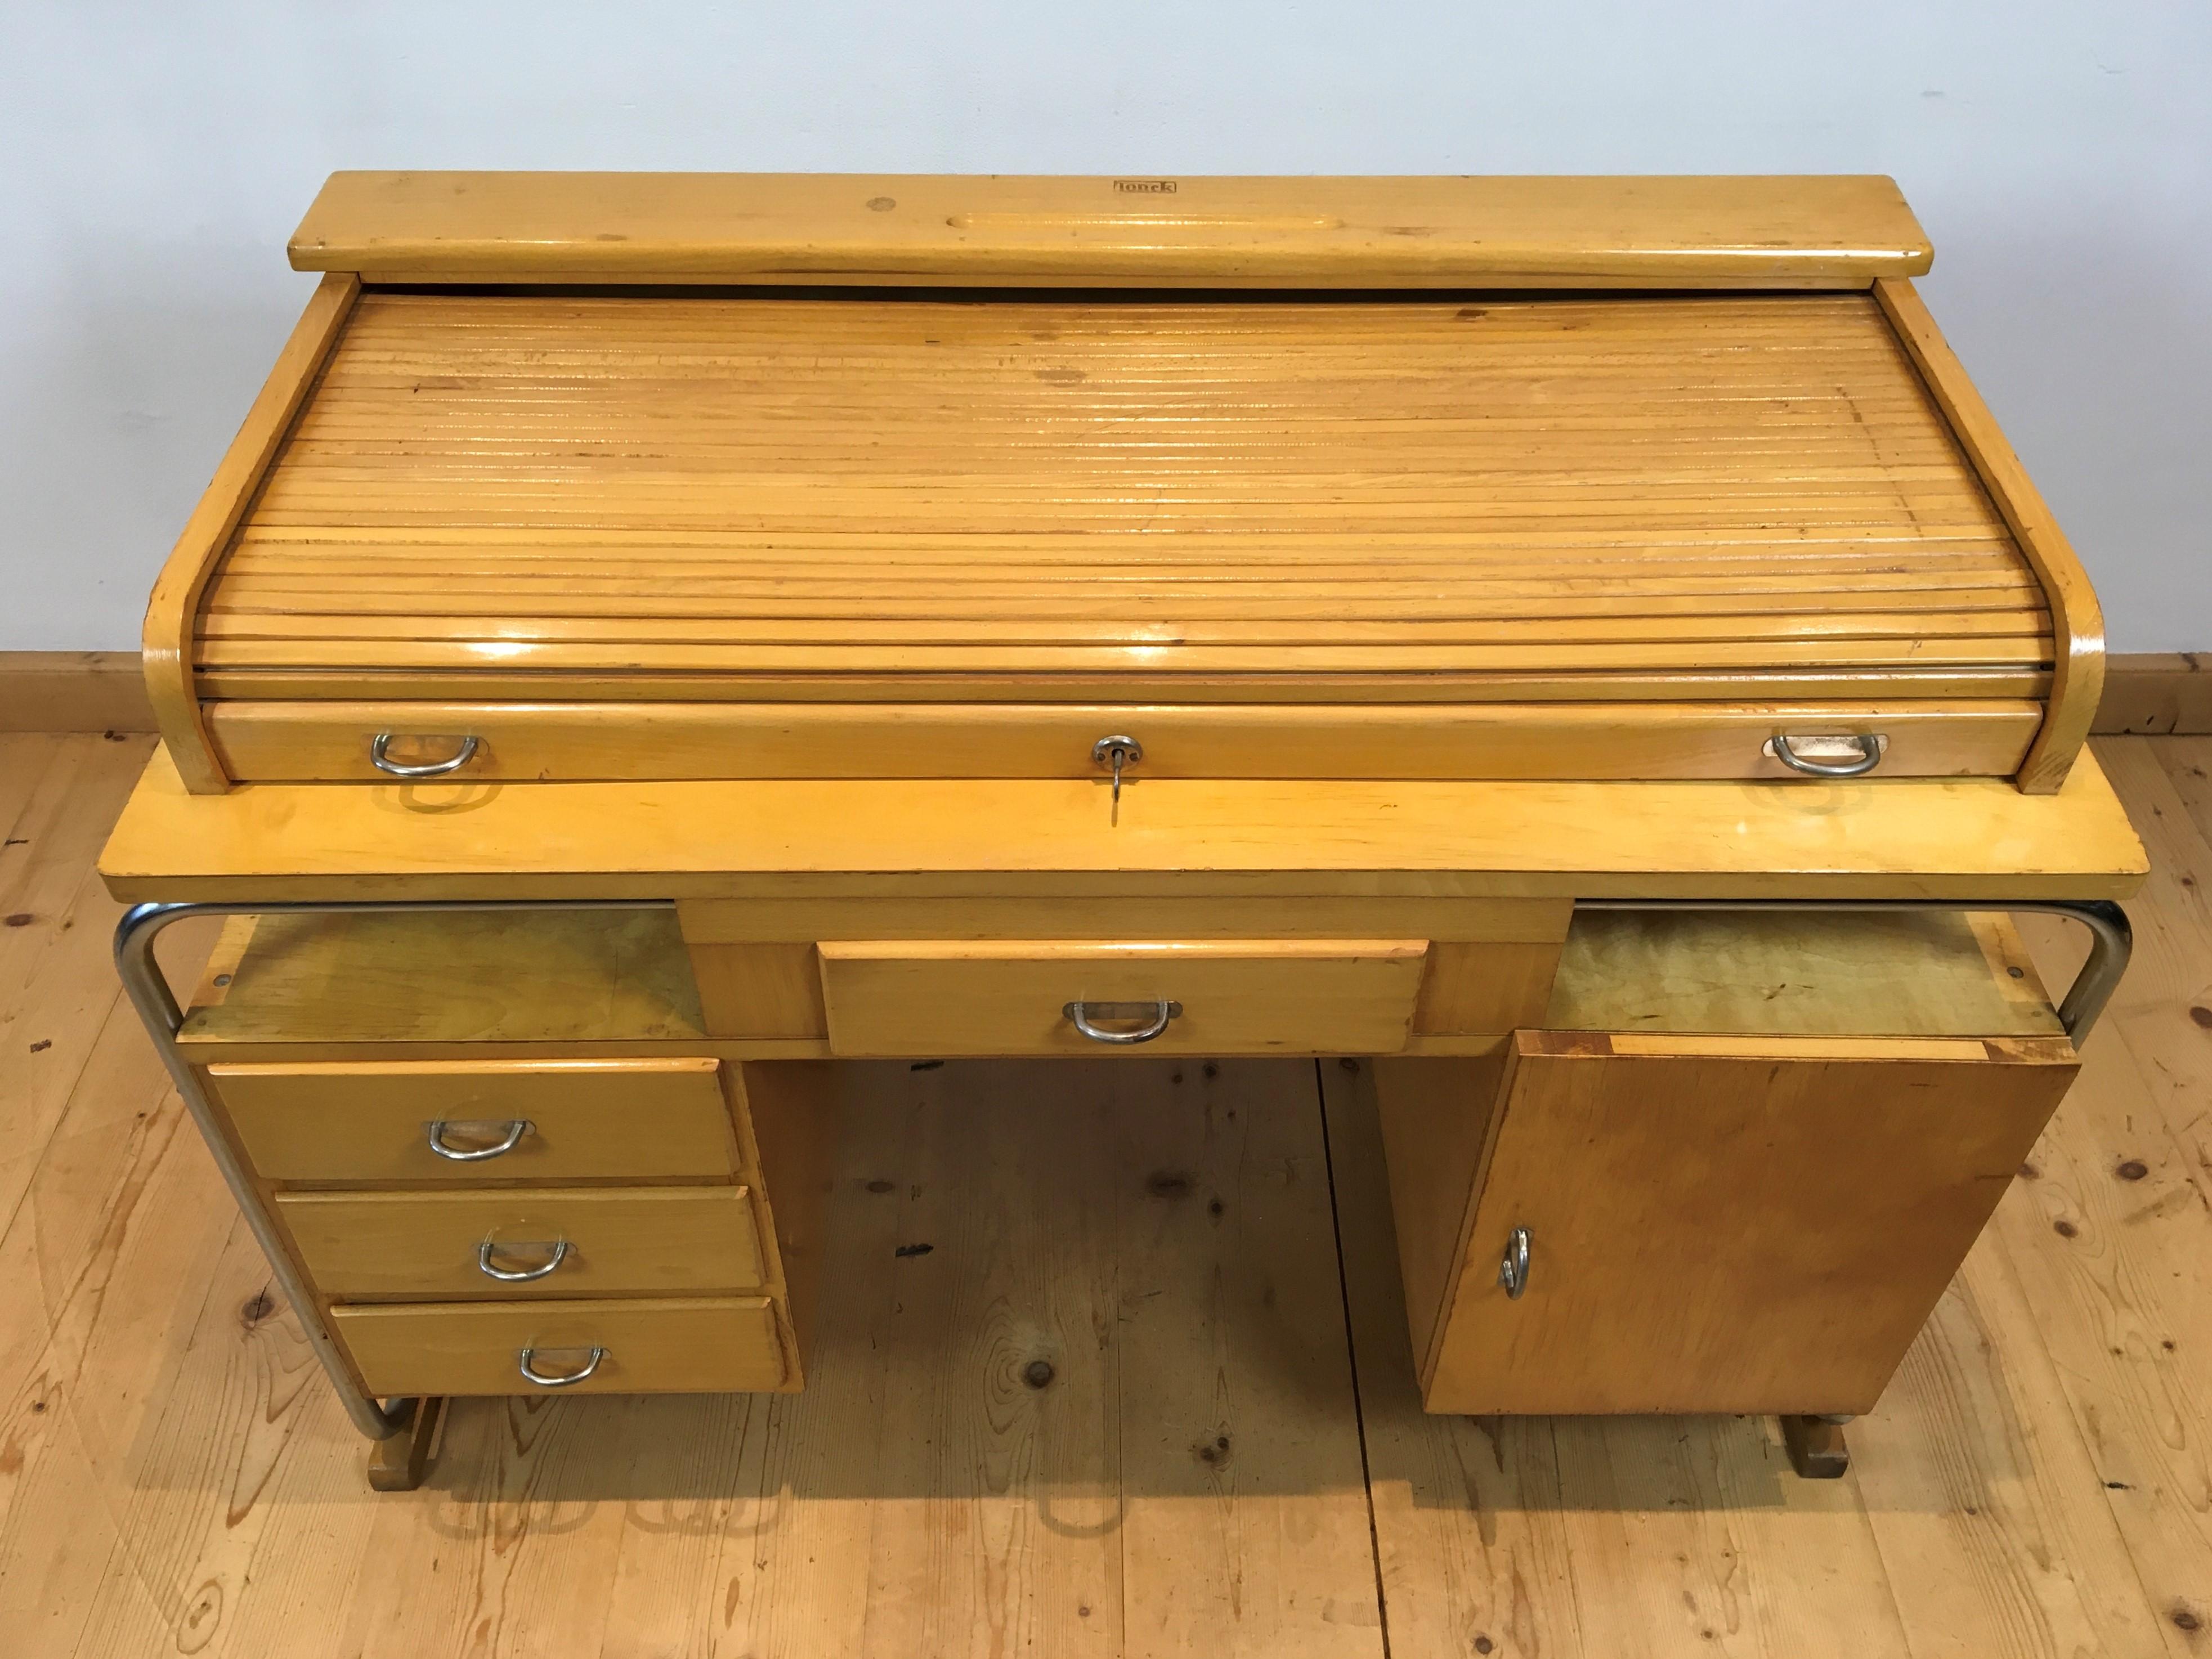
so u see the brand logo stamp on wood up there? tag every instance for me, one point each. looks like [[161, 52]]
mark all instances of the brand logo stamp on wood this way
[[1146, 186]]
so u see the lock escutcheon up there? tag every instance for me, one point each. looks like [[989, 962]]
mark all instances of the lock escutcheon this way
[[1102, 752]]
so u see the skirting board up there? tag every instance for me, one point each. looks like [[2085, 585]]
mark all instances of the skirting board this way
[[73, 691], [103, 691], [2157, 692]]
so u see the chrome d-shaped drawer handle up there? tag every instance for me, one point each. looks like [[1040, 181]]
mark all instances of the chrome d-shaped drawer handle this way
[[515, 1130], [1869, 753], [547, 1379], [490, 1248], [1082, 1016], [383, 762], [1513, 1271]]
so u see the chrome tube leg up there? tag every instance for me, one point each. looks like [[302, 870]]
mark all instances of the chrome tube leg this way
[[2111, 941], [149, 994]]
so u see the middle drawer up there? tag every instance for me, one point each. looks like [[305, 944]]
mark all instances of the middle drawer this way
[[910, 997], [526, 1241]]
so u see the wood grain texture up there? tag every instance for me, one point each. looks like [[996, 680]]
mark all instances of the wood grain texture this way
[[2110, 1248], [558, 742], [917, 997], [2157, 692], [1439, 1112], [363, 1122], [1852, 1183], [1969, 838], [982, 916], [172, 611], [1915, 974], [1975, 1519], [789, 1115], [74, 691], [759, 990], [674, 1345], [478, 976], [663, 1241], [2077, 621], [1767, 232], [567, 498], [1483, 987]]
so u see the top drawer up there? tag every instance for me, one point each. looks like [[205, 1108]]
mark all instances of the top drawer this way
[[346, 741], [908, 997], [533, 1121]]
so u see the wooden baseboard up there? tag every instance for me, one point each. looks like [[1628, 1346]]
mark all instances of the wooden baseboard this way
[[73, 691], [2154, 692], [2157, 692]]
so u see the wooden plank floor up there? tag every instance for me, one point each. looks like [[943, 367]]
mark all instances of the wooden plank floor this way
[[1146, 1392]]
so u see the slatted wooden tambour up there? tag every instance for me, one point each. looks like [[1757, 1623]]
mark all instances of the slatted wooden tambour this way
[[1345, 526]]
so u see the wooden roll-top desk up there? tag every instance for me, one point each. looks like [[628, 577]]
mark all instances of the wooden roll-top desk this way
[[1580, 646]]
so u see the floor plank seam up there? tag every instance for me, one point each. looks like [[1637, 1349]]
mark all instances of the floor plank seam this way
[[1352, 1362]]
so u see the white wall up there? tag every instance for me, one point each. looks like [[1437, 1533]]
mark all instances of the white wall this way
[[158, 156]]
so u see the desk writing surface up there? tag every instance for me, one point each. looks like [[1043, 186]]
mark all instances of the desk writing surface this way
[[1964, 839]]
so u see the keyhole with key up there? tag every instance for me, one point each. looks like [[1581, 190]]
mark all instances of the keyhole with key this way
[[1116, 753]]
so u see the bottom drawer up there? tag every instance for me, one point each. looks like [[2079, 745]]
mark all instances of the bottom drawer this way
[[727, 1345]]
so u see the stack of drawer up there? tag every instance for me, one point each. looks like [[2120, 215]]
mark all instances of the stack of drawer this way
[[484, 1226]]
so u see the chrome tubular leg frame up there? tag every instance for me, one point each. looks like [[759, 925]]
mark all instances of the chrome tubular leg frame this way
[[2111, 939], [157, 1008]]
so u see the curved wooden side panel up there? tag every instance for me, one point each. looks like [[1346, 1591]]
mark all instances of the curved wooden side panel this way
[[2077, 622], [173, 610]]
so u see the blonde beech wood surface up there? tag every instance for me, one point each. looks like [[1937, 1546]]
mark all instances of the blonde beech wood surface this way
[[679, 1344], [663, 1241], [1966, 838], [470, 976], [1766, 232], [1855, 1173], [2078, 674], [1229, 996], [1914, 973], [908, 500], [173, 612], [179, 1476], [563, 743], [361, 1123]]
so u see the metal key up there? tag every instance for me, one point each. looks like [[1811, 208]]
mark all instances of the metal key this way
[[1116, 752]]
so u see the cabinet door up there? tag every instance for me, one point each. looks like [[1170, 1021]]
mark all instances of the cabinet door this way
[[1723, 1223]]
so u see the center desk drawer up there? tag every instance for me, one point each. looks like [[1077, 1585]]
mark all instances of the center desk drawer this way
[[910, 997], [703, 1345], [556, 1119], [525, 1241]]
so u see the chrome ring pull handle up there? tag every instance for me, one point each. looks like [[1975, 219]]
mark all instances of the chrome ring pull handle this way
[[515, 1130], [1082, 1016], [1513, 1271], [381, 760], [1869, 747], [490, 1248], [547, 1379]]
